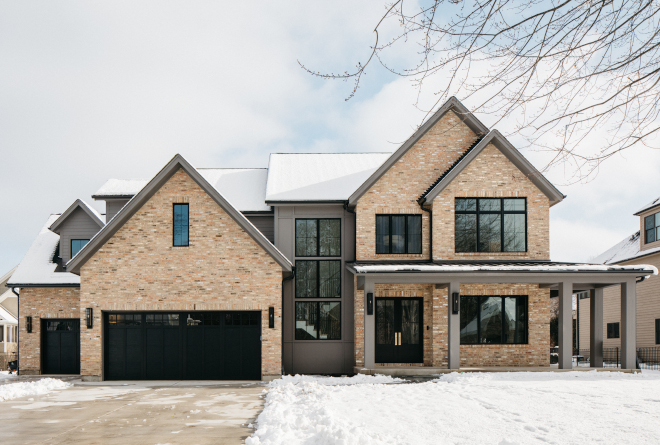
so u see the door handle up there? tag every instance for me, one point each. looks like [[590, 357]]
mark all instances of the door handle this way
[[397, 339]]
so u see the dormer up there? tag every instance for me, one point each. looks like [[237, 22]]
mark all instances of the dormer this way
[[649, 225], [116, 193], [76, 226]]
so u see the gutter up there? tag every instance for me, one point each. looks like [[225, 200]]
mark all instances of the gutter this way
[[421, 206]]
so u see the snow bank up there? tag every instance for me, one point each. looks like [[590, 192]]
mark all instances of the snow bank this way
[[23, 389], [321, 380], [477, 408], [6, 375]]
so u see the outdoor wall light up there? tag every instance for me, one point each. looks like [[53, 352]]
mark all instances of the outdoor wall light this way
[[28, 324], [455, 302], [89, 312], [370, 303], [271, 317]]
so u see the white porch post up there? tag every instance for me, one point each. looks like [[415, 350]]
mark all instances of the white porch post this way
[[453, 328], [596, 328], [369, 327], [628, 328], [4, 337], [565, 325]]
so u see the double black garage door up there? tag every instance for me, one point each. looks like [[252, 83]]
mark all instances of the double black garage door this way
[[178, 345]]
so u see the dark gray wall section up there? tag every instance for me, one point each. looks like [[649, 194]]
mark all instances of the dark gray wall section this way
[[265, 224], [112, 206], [78, 225], [316, 356]]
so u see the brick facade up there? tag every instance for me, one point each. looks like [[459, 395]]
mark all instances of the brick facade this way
[[42, 303], [138, 269]]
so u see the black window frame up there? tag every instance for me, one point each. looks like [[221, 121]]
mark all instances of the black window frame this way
[[655, 229], [657, 331], [71, 245], [174, 244], [318, 237], [612, 332], [318, 304], [502, 297], [405, 236], [500, 212], [318, 279]]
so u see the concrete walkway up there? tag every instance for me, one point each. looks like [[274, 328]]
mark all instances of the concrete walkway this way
[[123, 413]]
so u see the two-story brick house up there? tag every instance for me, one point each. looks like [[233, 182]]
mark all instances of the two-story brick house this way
[[436, 256]]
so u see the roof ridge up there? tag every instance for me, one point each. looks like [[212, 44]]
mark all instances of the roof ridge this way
[[336, 153], [451, 167]]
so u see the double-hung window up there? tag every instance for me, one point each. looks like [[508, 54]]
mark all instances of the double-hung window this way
[[490, 225], [652, 228], [613, 330], [76, 245], [493, 319], [398, 234], [318, 276], [180, 218]]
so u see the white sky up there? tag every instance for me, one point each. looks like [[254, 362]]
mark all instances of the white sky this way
[[91, 90]]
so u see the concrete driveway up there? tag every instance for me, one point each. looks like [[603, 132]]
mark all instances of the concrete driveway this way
[[134, 413]]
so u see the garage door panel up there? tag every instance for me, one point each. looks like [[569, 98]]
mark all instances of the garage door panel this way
[[213, 353], [194, 361]]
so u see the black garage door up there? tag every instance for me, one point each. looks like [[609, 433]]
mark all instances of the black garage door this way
[[178, 345], [61, 346]]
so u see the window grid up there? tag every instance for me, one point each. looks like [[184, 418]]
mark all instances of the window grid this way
[[479, 212], [407, 250], [652, 228], [318, 222]]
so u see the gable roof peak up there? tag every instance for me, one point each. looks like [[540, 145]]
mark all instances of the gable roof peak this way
[[77, 204]]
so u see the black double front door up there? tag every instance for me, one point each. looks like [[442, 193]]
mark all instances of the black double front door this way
[[399, 330], [183, 345]]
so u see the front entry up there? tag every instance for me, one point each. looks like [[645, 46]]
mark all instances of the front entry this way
[[60, 346], [399, 330]]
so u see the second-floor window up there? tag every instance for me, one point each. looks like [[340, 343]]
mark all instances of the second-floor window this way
[[318, 237], [490, 225], [180, 225], [76, 245], [397, 234], [652, 228], [612, 330]]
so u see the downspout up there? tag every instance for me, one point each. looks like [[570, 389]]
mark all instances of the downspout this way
[[285, 279], [421, 206], [346, 208], [640, 280], [18, 332]]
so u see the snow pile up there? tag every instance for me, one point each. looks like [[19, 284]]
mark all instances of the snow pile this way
[[6, 375], [355, 380], [23, 389], [478, 408]]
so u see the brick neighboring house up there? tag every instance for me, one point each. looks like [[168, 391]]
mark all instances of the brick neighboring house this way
[[8, 323], [642, 247], [436, 256]]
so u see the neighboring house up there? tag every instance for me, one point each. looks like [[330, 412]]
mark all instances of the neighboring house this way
[[436, 255], [8, 322], [642, 247]]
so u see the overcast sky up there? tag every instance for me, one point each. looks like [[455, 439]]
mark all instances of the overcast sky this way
[[95, 90]]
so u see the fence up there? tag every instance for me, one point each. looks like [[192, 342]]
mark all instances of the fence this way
[[647, 358]]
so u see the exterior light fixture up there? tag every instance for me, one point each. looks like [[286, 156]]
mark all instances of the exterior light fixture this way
[[89, 312], [271, 317], [455, 302], [28, 324], [370, 303]]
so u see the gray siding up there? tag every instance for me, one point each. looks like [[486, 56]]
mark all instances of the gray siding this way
[[317, 356], [79, 225], [265, 224], [112, 206]]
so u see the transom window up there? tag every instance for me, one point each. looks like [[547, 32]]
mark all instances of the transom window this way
[[318, 237], [491, 225], [652, 228], [76, 245], [180, 225], [493, 320], [318, 320], [398, 234], [613, 330]]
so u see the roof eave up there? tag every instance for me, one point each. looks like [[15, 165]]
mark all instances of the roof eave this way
[[653, 207], [105, 197]]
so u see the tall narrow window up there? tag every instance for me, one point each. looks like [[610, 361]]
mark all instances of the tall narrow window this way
[[657, 331], [490, 225], [398, 234], [76, 245], [180, 224]]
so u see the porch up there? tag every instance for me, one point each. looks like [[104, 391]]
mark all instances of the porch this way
[[539, 278]]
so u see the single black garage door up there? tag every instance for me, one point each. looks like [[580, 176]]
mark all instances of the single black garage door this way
[[183, 346], [61, 346]]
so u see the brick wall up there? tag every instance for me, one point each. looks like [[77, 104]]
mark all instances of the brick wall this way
[[42, 303], [397, 191], [492, 175], [223, 268]]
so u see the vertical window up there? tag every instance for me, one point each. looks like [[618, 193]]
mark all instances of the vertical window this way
[[318, 320], [652, 228], [490, 225], [180, 224], [398, 234], [76, 245], [318, 279], [493, 320], [2, 334], [318, 237], [612, 330], [657, 331]]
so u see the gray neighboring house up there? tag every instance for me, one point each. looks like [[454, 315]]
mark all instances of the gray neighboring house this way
[[8, 322]]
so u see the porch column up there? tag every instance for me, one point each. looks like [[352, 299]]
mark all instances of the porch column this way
[[596, 328], [565, 325], [369, 327], [453, 328], [628, 328]]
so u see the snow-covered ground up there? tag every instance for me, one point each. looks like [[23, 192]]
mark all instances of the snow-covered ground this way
[[6, 375], [477, 408], [23, 389]]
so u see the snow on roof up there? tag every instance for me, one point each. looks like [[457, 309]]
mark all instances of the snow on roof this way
[[654, 203], [550, 267], [37, 267], [319, 176], [5, 315], [244, 188], [627, 249], [120, 188]]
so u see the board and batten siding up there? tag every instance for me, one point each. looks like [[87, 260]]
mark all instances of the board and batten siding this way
[[647, 308], [79, 225], [112, 207], [265, 224]]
